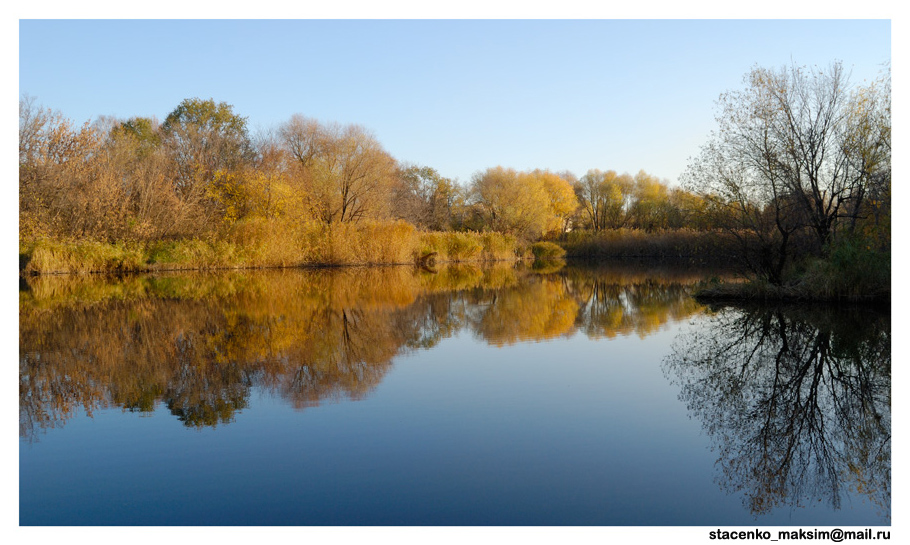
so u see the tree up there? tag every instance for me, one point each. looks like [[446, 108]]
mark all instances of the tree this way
[[562, 200], [868, 139], [145, 131], [650, 202], [755, 210], [686, 210], [34, 125], [425, 198], [526, 204], [134, 153], [344, 172], [791, 151], [606, 198], [203, 137], [801, 132], [66, 185], [511, 202]]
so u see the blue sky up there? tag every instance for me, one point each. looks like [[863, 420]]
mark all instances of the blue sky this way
[[457, 95]]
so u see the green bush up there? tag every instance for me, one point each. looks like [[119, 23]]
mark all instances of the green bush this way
[[852, 270]]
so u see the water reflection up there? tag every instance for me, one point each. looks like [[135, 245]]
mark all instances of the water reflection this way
[[619, 302], [797, 402], [198, 344]]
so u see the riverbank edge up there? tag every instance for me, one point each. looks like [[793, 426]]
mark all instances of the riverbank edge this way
[[425, 249], [170, 267], [754, 291]]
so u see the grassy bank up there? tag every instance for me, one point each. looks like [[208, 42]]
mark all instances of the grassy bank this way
[[850, 272], [268, 244]]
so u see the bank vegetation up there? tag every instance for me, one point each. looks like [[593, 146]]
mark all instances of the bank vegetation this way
[[798, 171], [199, 191], [794, 186]]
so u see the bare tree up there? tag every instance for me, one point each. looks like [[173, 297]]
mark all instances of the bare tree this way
[[785, 157]]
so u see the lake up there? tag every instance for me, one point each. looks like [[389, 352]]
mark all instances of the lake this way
[[463, 395]]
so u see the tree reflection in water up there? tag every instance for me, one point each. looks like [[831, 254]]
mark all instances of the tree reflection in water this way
[[198, 344], [797, 402]]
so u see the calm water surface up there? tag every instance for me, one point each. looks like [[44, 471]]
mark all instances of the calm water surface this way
[[461, 396]]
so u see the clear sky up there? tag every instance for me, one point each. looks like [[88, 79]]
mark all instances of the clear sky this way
[[456, 95]]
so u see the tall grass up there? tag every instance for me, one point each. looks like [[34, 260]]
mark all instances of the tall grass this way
[[637, 243], [380, 243], [193, 254], [82, 256], [469, 246], [501, 247], [262, 242], [450, 246], [272, 243]]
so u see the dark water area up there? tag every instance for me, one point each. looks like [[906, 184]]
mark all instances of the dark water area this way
[[507, 395]]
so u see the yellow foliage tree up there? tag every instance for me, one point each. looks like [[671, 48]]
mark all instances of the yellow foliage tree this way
[[562, 200], [525, 204]]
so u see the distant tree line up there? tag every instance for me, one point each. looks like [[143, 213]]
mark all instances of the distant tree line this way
[[800, 165], [201, 170]]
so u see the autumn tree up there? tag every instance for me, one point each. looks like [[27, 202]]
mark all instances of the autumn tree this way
[[686, 210], [203, 137], [754, 210], [649, 206], [343, 171], [36, 126], [606, 198], [510, 202], [144, 131], [562, 202], [66, 184], [426, 198], [135, 154], [526, 204], [868, 146]]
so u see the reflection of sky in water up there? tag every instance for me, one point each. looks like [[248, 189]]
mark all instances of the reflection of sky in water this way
[[568, 430]]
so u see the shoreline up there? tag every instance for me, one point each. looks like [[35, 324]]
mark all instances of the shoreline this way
[[753, 292]]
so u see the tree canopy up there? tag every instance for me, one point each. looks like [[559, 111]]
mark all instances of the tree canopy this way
[[526, 204], [796, 151]]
